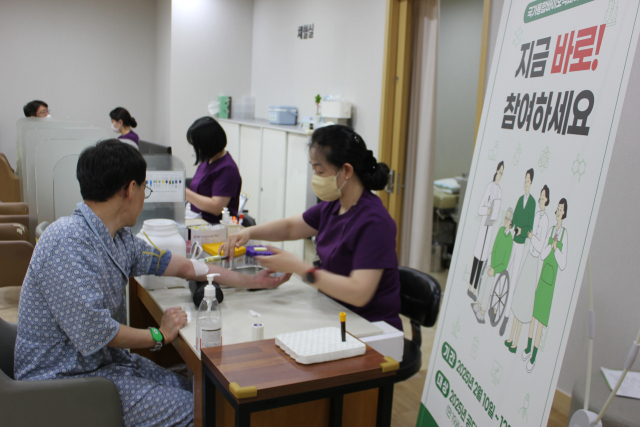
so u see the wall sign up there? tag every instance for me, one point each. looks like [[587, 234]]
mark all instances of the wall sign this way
[[305, 32], [551, 112]]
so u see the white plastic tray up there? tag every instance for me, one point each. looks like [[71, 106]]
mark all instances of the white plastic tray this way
[[319, 345]]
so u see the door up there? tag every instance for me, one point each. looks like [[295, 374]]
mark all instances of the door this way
[[396, 79]]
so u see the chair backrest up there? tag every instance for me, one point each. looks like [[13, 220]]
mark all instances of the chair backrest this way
[[420, 296], [8, 334], [248, 221], [14, 262], [13, 231], [9, 182], [14, 208]]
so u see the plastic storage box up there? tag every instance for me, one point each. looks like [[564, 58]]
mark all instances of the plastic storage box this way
[[282, 115]]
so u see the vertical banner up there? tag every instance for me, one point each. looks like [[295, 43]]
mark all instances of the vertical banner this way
[[549, 122]]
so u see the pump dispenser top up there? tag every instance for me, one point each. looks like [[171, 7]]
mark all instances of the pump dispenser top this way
[[210, 290]]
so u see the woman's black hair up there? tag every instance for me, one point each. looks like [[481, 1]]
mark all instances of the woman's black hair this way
[[501, 164], [563, 201], [546, 194], [108, 167], [530, 173], [31, 108], [207, 137], [340, 144], [120, 113]]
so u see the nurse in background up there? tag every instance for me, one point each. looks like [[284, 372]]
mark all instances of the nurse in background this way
[[356, 236], [217, 182], [122, 122]]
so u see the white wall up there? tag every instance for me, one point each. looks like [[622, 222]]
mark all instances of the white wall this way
[[82, 57], [163, 73], [614, 253], [210, 56], [459, 37], [344, 57]]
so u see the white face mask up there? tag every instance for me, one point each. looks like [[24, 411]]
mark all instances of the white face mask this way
[[326, 187], [48, 116], [114, 128]]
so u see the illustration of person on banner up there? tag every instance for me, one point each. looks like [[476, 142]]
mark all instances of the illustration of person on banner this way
[[523, 296], [500, 256], [555, 257], [489, 211], [523, 217]]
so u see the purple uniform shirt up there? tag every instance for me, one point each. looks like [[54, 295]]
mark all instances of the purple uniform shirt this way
[[220, 178], [364, 238], [132, 136]]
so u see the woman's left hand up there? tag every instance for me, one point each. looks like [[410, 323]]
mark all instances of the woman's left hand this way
[[282, 262]]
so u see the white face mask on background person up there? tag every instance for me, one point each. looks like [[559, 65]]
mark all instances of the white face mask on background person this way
[[48, 116], [114, 128], [326, 187]]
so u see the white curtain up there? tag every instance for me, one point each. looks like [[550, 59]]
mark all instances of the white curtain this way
[[418, 196]]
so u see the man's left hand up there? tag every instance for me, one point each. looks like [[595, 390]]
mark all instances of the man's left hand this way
[[263, 280]]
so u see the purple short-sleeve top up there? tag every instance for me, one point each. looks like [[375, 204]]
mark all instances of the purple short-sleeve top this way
[[131, 136], [220, 178], [363, 238]]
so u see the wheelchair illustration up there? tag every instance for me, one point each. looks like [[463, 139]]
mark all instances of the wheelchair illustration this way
[[499, 296]]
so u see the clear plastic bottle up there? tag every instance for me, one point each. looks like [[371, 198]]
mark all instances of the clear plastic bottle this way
[[209, 318]]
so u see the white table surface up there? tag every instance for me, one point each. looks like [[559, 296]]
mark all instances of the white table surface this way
[[293, 306]]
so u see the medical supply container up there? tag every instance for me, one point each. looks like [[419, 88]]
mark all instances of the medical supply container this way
[[209, 318], [282, 115], [164, 234]]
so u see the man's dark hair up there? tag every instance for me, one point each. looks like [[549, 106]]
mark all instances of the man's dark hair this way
[[107, 167], [31, 108], [207, 137]]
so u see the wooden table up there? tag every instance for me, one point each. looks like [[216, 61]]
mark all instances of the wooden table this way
[[147, 310], [273, 380]]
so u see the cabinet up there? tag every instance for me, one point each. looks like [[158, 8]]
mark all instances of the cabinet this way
[[276, 174]]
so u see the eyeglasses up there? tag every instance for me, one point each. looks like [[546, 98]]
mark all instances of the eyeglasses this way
[[147, 192]]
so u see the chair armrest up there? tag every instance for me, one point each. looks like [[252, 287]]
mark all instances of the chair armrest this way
[[64, 403], [15, 208]]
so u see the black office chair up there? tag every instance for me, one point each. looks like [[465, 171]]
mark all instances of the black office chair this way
[[248, 221], [58, 403], [420, 298]]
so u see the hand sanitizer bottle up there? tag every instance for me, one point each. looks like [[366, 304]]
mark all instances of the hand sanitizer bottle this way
[[209, 318]]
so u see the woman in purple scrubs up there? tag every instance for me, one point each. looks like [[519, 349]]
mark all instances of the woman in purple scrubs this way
[[356, 236], [217, 182], [122, 122]]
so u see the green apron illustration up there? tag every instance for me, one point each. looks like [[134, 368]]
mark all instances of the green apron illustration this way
[[547, 283]]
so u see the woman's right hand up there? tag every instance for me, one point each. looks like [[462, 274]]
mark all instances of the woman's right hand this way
[[235, 241]]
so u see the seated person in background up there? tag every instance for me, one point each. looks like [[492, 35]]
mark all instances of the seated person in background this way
[[122, 122], [217, 182], [72, 306], [36, 109], [500, 256], [356, 236]]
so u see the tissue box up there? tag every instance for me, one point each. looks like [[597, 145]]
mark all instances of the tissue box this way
[[282, 115], [336, 109]]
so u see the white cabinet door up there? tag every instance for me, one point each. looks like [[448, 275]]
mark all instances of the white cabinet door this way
[[299, 195], [250, 159], [273, 176], [233, 139]]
